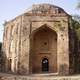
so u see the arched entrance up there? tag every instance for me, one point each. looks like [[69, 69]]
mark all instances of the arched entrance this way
[[43, 43], [45, 65]]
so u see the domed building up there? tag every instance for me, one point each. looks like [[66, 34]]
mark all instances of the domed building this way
[[38, 42]]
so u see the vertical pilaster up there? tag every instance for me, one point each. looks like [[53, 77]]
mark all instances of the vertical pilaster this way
[[63, 51]]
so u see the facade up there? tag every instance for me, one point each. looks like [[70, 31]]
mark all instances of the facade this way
[[38, 41], [0, 58]]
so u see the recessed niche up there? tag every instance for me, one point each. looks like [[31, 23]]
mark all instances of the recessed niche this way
[[61, 35], [55, 39], [45, 43]]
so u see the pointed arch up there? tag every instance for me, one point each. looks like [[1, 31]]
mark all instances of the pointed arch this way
[[43, 40], [44, 26]]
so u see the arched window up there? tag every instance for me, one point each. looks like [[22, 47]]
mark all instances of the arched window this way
[[45, 65]]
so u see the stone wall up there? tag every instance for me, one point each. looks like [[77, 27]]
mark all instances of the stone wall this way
[[17, 45]]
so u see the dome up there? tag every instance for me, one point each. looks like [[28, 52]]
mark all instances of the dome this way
[[45, 8]]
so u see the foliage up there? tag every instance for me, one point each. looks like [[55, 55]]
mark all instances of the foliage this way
[[76, 18], [78, 33], [0, 46], [78, 5], [76, 26]]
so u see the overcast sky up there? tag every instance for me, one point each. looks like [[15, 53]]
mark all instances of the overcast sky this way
[[11, 8]]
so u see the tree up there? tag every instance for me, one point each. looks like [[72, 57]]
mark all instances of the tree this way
[[76, 25], [78, 5], [76, 18]]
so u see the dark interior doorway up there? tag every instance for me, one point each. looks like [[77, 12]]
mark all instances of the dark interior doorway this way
[[45, 65], [9, 64]]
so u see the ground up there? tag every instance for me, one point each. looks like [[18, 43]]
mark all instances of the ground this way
[[37, 77]]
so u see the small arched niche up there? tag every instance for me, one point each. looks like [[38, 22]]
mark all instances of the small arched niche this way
[[43, 43]]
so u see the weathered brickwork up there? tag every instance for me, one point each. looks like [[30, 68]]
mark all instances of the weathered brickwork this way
[[40, 34]]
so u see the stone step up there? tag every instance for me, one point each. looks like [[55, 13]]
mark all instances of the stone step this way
[[37, 77]]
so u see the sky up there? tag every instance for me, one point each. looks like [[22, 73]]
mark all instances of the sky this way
[[9, 9]]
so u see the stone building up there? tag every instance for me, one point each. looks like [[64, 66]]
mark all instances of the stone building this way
[[38, 41], [1, 56]]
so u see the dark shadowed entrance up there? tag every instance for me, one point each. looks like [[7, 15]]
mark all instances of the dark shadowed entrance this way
[[45, 65]]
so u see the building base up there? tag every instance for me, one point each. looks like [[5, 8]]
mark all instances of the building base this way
[[51, 76]]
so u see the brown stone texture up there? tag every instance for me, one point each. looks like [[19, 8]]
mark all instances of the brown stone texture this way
[[39, 33], [37, 77]]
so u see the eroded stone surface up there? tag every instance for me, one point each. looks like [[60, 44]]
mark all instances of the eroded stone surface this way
[[37, 77], [39, 33]]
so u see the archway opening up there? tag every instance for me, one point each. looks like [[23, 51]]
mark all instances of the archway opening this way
[[45, 65], [43, 43]]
